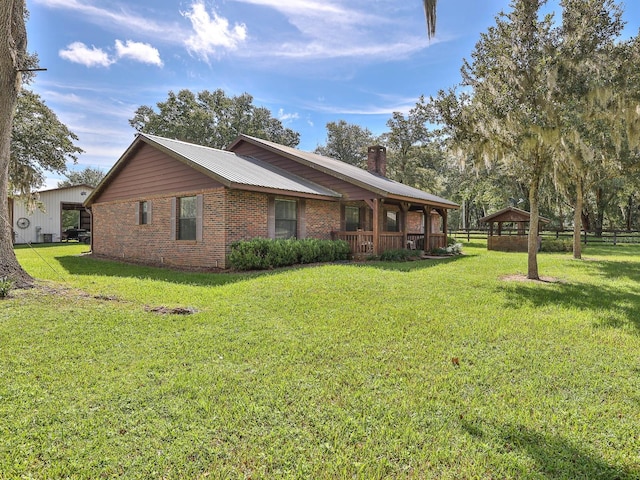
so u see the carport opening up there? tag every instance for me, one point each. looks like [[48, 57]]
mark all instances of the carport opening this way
[[74, 218]]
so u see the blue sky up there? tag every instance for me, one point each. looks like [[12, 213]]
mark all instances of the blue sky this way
[[309, 61]]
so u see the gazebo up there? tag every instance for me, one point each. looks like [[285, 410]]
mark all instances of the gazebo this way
[[515, 239]]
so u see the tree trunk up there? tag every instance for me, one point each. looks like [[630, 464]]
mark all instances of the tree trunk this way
[[601, 204], [577, 221], [586, 219], [13, 44], [534, 221]]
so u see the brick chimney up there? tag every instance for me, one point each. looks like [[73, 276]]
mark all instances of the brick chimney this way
[[377, 160]]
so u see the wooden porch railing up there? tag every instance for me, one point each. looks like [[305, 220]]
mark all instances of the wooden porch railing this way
[[361, 242], [417, 239], [391, 241], [437, 240]]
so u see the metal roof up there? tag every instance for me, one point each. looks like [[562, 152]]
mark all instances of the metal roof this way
[[511, 214], [350, 173], [233, 169]]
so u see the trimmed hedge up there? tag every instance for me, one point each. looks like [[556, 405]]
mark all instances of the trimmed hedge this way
[[556, 245], [263, 253]]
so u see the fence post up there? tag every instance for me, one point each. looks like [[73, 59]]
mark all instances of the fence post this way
[[615, 237], [468, 235], [585, 237]]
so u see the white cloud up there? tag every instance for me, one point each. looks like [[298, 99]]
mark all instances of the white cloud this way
[[78, 52], [122, 20], [287, 117], [339, 29], [320, 29], [386, 105], [212, 33], [140, 52]]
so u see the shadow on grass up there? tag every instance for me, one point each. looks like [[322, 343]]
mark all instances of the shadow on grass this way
[[554, 456], [617, 269], [617, 306], [87, 265]]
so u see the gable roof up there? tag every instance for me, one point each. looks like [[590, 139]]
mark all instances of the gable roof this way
[[511, 214], [228, 168], [348, 173]]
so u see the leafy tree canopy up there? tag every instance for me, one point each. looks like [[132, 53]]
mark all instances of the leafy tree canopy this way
[[39, 143], [212, 119], [414, 156], [89, 176], [347, 142]]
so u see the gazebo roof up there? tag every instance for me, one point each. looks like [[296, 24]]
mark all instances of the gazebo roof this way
[[511, 214]]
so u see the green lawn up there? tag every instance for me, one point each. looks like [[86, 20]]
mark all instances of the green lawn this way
[[335, 371]]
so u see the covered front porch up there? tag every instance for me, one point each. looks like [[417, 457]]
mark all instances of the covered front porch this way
[[397, 225]]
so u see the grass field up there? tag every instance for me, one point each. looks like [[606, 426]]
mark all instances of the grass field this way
[[333, 371]]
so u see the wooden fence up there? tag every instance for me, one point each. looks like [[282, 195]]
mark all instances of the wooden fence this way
[[609, 237]]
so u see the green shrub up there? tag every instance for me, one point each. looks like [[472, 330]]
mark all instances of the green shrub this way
[[556, 245], [6, 284], [262, 253], [398, 255]]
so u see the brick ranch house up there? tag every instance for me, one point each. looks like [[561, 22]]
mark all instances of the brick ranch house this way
[[175, 203]]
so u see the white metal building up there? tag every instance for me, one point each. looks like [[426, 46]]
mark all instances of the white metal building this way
[[45, 225]]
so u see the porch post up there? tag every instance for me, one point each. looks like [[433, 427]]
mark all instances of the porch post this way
[[427, 228], [404, 208], [445, 226], [442, 243], [376, 226]]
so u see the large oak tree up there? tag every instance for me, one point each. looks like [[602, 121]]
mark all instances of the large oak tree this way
[[596, 93], [40, 143], [212, 119], [508, 117], [347, 142], [13, 52]]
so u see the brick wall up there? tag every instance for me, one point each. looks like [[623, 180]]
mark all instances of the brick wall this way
[[322, 218], [115, 233], [228, 216], [246, 214], [414, 222]]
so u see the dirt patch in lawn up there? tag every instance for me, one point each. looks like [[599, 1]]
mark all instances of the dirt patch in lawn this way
[[171, 311], [45, 289]]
